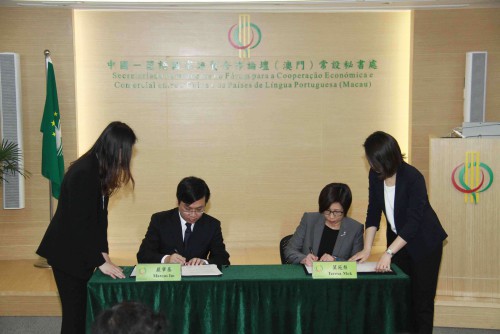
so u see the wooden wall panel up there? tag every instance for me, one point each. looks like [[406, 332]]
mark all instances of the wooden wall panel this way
[[271, 194], [266, 154], [468, 279], [29, 32], [441, 39], [468, 283]]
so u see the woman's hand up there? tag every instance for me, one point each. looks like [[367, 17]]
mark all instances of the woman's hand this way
[[110, 269], [384, 264], [309, 259], [106, 257], [327, 258], [361, 256]]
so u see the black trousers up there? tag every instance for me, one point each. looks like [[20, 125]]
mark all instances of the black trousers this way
[[424, 276], [73, 294]]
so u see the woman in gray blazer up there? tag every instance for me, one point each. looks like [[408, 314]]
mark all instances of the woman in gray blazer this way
[[327, 235]]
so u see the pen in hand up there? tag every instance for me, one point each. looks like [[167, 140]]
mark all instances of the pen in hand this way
[[179, 258], [313, 257]]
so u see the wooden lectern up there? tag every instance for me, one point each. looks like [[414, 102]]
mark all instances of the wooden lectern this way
[[464, 190]]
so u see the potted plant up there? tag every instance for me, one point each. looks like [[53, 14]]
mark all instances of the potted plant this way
[[10, 159]]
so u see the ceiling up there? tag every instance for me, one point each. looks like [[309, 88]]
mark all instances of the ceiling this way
[[256, 5]]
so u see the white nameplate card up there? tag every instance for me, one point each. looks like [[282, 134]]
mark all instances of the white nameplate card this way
[[334, 270], [203, 270], [157, 272], [365, 267]]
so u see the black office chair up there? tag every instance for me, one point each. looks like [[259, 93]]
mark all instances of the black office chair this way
[[283, 244]]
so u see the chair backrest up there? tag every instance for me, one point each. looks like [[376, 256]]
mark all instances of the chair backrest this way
[[283, 244]]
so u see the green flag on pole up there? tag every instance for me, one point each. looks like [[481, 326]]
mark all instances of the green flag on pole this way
[[52, 149]]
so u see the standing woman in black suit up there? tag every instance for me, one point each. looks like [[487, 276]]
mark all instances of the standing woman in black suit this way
[[414, 234], [75, 242]]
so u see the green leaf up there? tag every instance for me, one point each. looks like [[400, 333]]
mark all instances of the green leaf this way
[[10, 160]]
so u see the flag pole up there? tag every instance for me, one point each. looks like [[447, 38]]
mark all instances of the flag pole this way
[[42, 262], [51, 207]]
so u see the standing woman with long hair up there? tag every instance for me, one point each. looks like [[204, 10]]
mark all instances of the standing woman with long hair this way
[[75, 242], [414, 234]]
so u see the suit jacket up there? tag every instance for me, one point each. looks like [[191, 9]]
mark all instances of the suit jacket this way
[[309, 232], [164, 237], [415, 220], [77, 235]]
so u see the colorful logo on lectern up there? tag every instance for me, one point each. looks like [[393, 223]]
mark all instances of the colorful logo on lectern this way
[[244, 36], [472, 177], [318, 268]]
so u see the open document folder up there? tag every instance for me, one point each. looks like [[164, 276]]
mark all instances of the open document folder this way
[[205, 270], [365, 267]]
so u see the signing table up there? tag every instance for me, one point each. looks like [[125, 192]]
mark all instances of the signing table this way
[[264, 299]]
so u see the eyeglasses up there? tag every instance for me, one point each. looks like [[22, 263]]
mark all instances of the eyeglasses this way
[[335, 213], [196, 212]]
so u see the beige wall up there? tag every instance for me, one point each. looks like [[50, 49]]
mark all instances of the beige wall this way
[[266, 153], [29, 32], [441, 39]]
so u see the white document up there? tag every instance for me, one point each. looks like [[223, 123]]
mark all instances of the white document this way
[[205, 270], [366, 267]]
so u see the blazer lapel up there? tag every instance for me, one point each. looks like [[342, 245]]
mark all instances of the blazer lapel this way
[[380, 193], [340, 240], [400, 186], [318, 231]]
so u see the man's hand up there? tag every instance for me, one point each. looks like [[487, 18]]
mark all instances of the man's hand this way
[[176, 258], [195, 262]]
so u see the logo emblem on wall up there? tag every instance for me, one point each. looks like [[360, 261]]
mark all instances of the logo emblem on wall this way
[[472, 177], [244, 36]]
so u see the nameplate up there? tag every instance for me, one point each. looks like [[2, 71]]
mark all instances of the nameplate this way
[[158, 272], [334, 270]]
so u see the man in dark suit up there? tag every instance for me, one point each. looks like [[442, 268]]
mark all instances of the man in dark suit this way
[[186, 234]]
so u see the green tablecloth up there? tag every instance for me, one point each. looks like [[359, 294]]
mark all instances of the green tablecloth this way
[[264, 299]]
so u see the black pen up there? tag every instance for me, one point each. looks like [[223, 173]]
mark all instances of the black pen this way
[[311, 250], [177, 252]]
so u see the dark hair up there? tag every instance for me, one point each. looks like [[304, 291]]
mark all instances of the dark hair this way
[[129, 317], [113, 149], [335, 192], [192, 189], [383, 154]]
